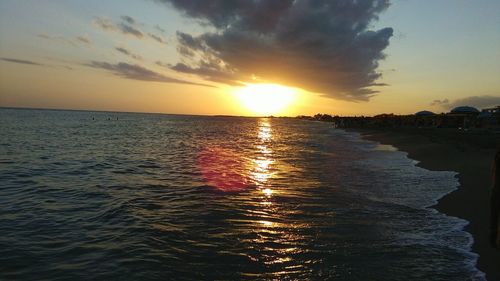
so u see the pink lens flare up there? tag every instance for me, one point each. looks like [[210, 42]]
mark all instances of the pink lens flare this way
[[223, 169]]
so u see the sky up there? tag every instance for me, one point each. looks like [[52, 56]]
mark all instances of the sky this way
[[209, 57]]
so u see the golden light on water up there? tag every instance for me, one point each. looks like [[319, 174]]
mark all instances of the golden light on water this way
[[266, 223], [266, 99], [267, 191], [273, 236], [260, 172]]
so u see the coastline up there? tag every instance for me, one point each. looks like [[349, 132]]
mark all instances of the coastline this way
[[470, 154]]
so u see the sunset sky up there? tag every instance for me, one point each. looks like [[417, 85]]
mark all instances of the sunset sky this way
[[212, 57]]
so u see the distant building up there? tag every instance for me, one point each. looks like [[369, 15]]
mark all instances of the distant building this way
[[489, 117], [425, 113], [492, 110], [464, 110]]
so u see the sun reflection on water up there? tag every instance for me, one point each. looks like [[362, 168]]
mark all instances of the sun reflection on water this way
[[267, 191], [272, 235], [261, 165]]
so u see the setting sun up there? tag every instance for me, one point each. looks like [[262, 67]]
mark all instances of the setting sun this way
[[266, 99]]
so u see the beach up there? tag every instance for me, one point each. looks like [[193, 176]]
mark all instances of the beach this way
[[470, 154]]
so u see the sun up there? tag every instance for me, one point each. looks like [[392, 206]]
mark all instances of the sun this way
[[266, 99]]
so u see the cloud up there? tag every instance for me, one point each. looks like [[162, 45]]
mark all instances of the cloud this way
[[209, 72], [321, 46], [22, 61], [163, 64], [128, 19], [78, 40], [137, 72], [123, 27], [128, 26], [160, 29], [48, 37], [477, 101], [128, 53], [104, 23], [85, 39], [157, 38], [128, 29], [443, 102], [56, 38]]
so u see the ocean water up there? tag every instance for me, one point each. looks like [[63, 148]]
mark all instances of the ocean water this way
[[122, 196]]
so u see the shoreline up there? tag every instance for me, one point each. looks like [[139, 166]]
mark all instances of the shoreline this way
[[470, 154]]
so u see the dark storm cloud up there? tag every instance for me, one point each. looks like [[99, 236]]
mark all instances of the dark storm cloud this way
[[137, 72], [22, 61], [318, 45], [477, 101], [128, 53]]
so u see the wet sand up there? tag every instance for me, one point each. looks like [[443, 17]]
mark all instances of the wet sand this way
[[471, 155]]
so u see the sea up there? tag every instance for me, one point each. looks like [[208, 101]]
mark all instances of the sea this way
[[131, 196]]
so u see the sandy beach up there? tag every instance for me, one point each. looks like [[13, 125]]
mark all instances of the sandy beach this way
[[471, 155]]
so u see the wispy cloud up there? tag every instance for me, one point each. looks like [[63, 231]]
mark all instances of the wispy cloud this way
[[157, 38], [163, 64], [20, 61], [78, 40], [137, 72], [85, 39], [322, 46], [209, 73], [442, 103], [128, 19], [123, 27], [128, 53], [127, 26], [160, 29], [48, 37]]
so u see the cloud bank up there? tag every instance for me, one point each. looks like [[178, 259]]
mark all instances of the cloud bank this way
[[318, 45], [137, 72], [479, 102]]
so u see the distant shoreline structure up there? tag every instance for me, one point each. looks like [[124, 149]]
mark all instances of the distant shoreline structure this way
[[462, 117]]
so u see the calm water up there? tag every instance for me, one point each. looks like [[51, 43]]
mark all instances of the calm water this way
[[148, 197]]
